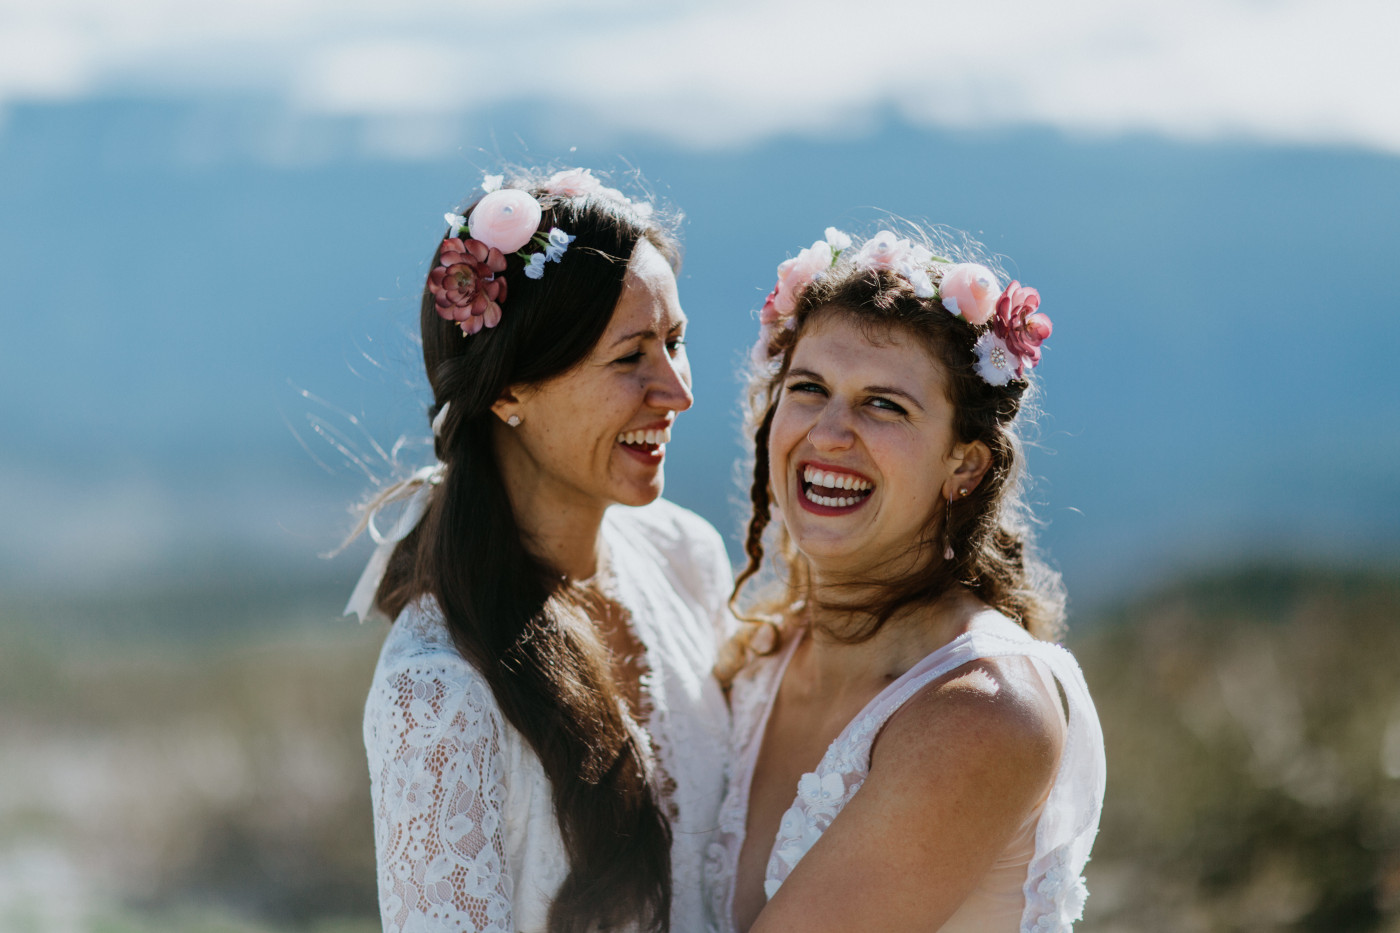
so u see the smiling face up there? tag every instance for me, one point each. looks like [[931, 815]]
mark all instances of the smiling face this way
[[597, 434], [862, 452]]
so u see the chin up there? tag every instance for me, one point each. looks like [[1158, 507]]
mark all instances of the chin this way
[[640, 494]]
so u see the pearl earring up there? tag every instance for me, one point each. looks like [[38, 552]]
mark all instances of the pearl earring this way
[[513, 421]]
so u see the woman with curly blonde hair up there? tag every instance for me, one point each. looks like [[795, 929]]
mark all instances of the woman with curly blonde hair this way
[[911, 750]]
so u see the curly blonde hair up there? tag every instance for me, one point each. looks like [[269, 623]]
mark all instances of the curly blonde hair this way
[[990, 530]]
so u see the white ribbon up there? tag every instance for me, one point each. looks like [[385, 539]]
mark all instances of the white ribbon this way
[[418, 490]]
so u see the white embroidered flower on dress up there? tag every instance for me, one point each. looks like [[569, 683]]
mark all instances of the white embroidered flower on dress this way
[[821, 791]]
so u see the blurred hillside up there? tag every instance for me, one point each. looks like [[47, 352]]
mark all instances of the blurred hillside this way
[[1253, 729], [1185, 282], [216, 781]]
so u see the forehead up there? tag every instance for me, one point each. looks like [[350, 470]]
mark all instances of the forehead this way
[[649, 300], [836, 341]]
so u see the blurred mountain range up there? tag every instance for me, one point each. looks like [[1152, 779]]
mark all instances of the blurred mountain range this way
[[185, 329]]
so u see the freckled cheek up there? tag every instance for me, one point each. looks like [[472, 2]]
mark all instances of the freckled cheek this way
[[783, 437]]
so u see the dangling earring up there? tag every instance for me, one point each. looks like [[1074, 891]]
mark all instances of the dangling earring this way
[[948, 530], [948, 526], [513, 421]]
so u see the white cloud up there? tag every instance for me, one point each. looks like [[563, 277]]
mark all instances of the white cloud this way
[[732, 71]]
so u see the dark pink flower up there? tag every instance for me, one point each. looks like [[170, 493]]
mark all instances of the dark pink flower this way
[[464, 284], [1020, 325]]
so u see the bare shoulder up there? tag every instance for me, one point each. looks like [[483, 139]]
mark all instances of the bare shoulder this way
[[994, 723]]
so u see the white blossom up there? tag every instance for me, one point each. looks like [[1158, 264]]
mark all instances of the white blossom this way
[[996, 364]]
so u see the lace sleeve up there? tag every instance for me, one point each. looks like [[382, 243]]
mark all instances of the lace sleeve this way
[[435, 741]]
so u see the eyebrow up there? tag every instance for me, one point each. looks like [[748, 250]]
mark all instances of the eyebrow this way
[[872, 390], [649, 332]]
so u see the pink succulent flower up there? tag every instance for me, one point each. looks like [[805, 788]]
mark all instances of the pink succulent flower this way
[[464, 284], [971, 290], [505, 220], [1020, 325]]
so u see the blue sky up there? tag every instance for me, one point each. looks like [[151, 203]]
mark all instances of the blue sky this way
[[206, 212]]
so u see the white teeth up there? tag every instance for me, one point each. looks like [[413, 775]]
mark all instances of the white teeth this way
[[834, 480], [652, 436], [831, 501]]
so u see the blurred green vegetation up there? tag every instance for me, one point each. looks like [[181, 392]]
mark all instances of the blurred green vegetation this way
[[186, 783], [191, 761], [1252, 721]]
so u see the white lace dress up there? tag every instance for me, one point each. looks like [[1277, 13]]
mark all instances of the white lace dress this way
[[464, 825], [1057, 839]]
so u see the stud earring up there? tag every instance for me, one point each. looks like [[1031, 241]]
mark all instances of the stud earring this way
[[962, 491], [513, 421]]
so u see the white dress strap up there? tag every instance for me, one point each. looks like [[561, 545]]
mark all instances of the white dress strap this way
[[1054, 889]]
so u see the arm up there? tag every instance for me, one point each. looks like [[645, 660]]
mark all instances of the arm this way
[[436, 750], [952, 777]]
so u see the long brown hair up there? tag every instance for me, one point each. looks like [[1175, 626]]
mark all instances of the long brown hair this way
[[989, 530], [512, 615]]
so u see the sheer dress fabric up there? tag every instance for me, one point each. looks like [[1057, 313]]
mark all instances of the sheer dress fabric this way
[[1035, 885], [464, 827]]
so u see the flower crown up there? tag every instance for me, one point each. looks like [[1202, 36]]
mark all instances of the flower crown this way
[[467, 284], [1005, 349]]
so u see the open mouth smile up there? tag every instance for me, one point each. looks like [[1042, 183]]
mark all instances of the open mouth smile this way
[[833, 492], [646, 444]]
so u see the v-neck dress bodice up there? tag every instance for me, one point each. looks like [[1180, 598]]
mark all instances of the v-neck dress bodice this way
[[1035, 885]]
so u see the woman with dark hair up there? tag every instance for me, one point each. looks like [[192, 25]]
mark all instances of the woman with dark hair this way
[[544, 733], [911, 753]]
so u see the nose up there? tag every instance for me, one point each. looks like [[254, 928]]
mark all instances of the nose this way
[[670, 385], [832, 430]]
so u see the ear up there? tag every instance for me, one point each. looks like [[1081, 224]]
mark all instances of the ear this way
[[508, 404], [972, 462]]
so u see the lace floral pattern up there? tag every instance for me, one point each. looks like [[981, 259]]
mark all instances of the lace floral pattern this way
[[439, 799], [464, 823], [1054, 891]]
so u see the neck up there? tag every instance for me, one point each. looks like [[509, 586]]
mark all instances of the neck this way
[[832, 665], [561, 529]]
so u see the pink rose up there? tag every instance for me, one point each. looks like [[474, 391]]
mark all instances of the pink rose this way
[[971, 290], [759, 353], [579, 182], [572, 183], [464, 284], [794, 275], [505, 219], [1020, 325], [883, 251]]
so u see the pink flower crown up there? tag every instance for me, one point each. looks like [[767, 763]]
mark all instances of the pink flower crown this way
[[1015, 328], [467, 284]]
